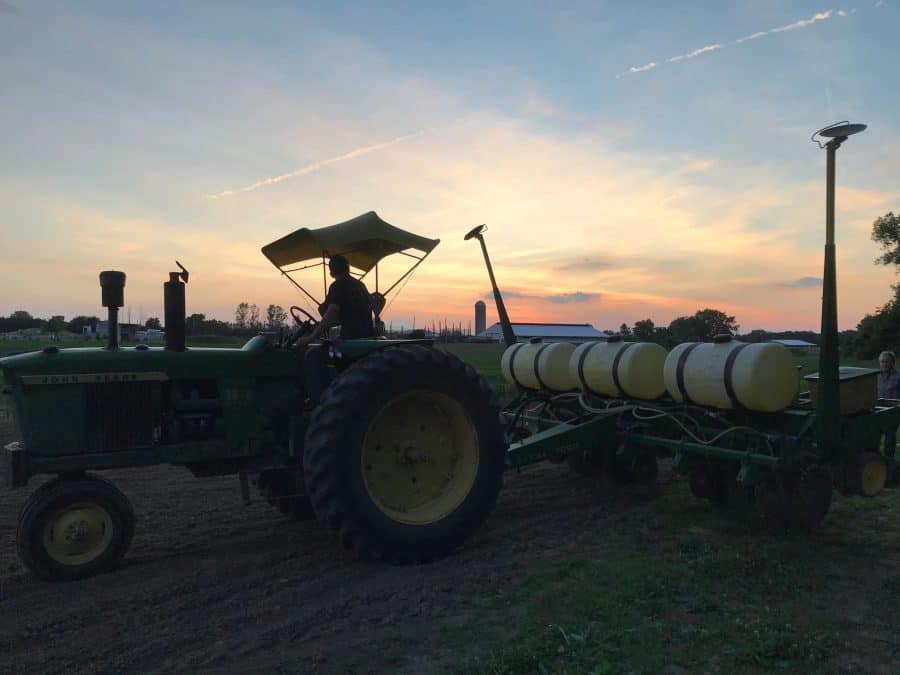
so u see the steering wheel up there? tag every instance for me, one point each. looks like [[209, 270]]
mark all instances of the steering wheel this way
[[296, 311]]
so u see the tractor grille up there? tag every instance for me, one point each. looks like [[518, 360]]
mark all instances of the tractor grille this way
[[120, 414]]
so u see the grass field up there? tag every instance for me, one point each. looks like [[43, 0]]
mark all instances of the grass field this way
[[676, 587]]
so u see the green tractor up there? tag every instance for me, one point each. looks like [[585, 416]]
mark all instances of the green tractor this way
[[395, 445]]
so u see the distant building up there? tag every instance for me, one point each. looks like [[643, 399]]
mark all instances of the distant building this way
[[149, 335], [549, 332], [799, 347], [480, 317], [126, 330]]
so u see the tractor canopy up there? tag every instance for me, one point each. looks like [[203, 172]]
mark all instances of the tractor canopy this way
[[363, 241]]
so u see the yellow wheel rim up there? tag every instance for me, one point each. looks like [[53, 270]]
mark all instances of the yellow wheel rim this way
[[78, 533], [873, 476], [420, 457]]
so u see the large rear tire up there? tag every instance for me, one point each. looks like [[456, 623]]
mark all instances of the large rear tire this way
[[74, 528], [405, 454]]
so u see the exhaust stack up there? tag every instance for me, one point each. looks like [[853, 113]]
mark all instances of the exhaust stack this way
[[112, 289], [173, 296]]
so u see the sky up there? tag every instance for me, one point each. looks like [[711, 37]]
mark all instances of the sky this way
[[631, 160]]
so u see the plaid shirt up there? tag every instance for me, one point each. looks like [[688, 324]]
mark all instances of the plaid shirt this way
[[889, 384]]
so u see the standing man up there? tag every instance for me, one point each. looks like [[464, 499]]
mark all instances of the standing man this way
[[889, 387], [347, 304]]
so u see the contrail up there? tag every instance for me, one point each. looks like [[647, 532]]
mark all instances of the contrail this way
[[803, 23], [310, 168], [695, 53], [821, 16]]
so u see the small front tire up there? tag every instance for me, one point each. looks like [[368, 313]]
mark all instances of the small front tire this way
[[74, 528]]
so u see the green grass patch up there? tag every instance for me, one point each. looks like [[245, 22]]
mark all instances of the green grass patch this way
[[702, 606], [684, 588], [485, 358]]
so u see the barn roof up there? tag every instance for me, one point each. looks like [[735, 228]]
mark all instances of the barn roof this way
[[795, 343], [584, 331]]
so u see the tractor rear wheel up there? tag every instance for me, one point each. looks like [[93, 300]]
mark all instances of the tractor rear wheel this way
[[405, 454], [74, 528]]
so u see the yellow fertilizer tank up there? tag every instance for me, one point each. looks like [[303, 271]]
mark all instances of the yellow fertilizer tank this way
[[616, 368], [728, 374], [538, 365]]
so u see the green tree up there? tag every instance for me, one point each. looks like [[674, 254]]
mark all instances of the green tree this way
[[275, 316], [56, 324], [644, 330], [153, 322], [241, 314], [77, 324], [704, 325], [881, 330], [18, 320], [21, 315], [886, 233], [624, 330], [194, 323]]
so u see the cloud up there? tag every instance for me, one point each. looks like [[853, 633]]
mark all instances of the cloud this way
[[802, 282], [310, 168], [577, 297], [638, 69], [556, 299], [583, 265], [802, 23]]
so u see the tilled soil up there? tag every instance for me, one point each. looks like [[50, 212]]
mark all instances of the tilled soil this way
[[213, 585]]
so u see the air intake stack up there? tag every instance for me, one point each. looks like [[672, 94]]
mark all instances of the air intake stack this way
[[173, 295], [112, 289]]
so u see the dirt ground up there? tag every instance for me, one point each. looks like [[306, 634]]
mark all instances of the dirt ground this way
[[213, 585]]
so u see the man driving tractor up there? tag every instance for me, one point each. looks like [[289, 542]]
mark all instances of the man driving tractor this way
[[347, 304]]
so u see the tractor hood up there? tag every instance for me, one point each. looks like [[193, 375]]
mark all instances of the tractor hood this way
[[95, 365]]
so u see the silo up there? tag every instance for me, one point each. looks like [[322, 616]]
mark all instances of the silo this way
[[480, 317]]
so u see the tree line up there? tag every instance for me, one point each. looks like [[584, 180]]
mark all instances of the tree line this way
[[705, 324], [22, 320], [247, 320]]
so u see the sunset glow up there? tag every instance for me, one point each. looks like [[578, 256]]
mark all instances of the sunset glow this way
[[613, 191]]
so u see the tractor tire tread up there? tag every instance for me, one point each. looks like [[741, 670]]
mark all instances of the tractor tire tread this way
[[349, 398], [60, 489]]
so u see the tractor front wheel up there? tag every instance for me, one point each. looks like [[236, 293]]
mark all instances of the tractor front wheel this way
[[74, 528], [404, 455]]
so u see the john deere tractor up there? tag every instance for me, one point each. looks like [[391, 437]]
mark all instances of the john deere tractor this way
[[396, 446]]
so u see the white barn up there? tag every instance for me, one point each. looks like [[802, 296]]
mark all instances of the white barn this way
[[798, 346], [549, 332]]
